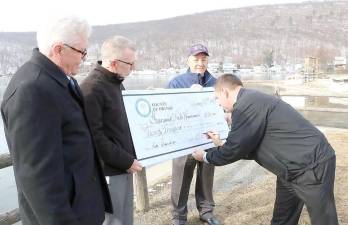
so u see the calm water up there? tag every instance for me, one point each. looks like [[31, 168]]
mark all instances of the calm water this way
[[8, 198]]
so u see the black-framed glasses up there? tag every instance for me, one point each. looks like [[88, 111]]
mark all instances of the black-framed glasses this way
[[128, 63], [83, 53]]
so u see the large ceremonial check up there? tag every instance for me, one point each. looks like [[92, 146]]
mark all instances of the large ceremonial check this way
[[169, 123]]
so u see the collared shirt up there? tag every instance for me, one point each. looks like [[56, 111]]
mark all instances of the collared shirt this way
[[205, 158]]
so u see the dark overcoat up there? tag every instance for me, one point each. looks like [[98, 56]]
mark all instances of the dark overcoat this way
[[57, 171]]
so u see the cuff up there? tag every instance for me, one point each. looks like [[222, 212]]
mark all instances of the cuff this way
[[205, 158]]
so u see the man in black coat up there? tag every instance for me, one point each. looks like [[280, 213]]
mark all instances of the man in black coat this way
[[276, 136], [58, 175], [102, 90]]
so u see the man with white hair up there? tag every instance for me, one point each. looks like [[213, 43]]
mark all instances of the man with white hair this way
[[102, 90], [58, 175], [183, 168]]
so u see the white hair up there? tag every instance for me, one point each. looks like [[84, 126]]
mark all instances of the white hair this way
[[69, 30], [114, 47]]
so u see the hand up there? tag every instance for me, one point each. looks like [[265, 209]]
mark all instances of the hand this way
[[198, 155], [196, 87], [215, 137], [136, 167]]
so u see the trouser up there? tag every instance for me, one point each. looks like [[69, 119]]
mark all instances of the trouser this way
[[121, 192], [315, 189], [182, 173]]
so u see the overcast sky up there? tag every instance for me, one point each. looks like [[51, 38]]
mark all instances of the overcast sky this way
[[26, 15]]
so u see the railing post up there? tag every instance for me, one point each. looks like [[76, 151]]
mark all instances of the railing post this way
[[277, 91], [142, 195]]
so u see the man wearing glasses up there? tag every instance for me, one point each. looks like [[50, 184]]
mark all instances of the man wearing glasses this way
[[58, 174], [102, 90]]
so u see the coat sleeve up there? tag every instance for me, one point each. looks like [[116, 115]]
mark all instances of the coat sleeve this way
[[33, 131], [248, 127], [173, 84], [111, 152]]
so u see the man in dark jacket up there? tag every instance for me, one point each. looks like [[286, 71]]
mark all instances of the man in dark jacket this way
[[183, 167], [276, 136], [102, 90], [58, 175]]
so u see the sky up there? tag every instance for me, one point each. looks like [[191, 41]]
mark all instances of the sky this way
[[28, 15]]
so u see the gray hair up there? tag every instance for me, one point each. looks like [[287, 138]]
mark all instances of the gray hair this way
[[114, 47], [67, 30]]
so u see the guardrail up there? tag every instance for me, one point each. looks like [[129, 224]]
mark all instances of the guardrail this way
[[12, 216], [5, 160]]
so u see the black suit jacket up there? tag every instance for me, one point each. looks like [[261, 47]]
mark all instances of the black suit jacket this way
[[102, 92], [274, 134], [57, 171]]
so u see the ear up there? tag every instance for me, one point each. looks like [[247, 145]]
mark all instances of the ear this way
[[114, 64], [225, 92], [57, 49]]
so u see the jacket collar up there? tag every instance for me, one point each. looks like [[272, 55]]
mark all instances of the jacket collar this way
[[52, 69], [207, 78], [239, 95], [110, 76]]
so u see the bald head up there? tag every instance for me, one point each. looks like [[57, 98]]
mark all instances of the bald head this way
[[227, 87], [228, 81]]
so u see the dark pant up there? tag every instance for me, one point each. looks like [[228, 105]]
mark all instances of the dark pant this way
[[315, 189], [182, 173]]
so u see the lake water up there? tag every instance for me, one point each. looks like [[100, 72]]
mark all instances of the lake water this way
[[8, 196]]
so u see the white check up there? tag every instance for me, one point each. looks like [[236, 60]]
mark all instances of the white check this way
[[169, 123]]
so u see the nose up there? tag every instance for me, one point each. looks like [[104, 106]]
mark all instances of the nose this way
[[200, 63]]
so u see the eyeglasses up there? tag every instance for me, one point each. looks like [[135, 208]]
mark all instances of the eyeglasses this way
[[128, 63], [83, 53]]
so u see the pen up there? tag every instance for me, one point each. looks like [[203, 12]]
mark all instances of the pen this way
[[206, 133]]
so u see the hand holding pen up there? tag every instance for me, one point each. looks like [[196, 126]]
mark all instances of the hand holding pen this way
[[214, 136]]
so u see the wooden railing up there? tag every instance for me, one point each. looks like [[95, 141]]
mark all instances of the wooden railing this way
[[5, 160], [12, 216]]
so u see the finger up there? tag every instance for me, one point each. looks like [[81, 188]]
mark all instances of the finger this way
[[206, 135], [213, 133]]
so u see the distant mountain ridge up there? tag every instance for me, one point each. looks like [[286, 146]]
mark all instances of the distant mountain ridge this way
[[244, 35]]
